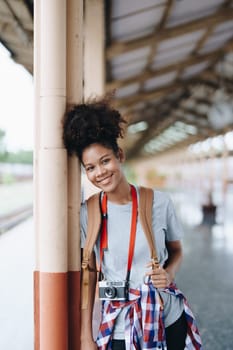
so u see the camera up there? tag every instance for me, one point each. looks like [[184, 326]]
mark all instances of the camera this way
[[113, 290]]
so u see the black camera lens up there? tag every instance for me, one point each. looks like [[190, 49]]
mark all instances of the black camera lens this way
[[110, 292]]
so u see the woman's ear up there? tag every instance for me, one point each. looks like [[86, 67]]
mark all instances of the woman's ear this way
[[121, 155]]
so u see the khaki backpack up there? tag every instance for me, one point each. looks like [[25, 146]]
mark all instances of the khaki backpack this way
[[94, 226]]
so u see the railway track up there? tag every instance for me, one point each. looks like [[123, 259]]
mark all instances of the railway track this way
[[14, 218]]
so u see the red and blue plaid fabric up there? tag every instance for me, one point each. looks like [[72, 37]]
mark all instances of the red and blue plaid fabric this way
[[144, 325]]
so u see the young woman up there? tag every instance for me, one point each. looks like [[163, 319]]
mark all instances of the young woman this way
[[155, 315]]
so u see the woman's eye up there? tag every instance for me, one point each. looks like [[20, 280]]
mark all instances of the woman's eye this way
[[105, 161], [89, 168]]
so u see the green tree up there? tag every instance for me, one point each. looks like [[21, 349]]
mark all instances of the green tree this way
[[3, 151], [21, 157]]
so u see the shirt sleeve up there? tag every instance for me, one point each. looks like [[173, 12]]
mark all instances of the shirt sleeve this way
[[174, 229]]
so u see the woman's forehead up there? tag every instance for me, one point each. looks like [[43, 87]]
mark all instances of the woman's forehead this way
[[95, 152]]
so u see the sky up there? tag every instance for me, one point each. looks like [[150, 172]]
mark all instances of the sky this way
[[16, 104]]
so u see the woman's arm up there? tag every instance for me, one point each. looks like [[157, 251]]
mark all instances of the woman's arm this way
[[161, 277], [87, 341], [174, 260]]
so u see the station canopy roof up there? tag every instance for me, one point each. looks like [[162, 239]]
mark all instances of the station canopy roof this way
[[170, 63]]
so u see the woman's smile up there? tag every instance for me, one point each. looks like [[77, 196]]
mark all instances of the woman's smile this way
[[106, 180]]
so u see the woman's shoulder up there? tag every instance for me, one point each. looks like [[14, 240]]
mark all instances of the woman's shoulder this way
[[161, 195], [162, 202]]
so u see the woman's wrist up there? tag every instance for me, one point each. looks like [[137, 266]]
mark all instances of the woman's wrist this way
[[86, 332], [170, 275], [86, 336]]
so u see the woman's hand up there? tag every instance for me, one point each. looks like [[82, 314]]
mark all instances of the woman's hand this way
[[88, 344], [159, 277], [162, 277]]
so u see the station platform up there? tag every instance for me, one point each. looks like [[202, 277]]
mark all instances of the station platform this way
[[205, 278], [17, 253]]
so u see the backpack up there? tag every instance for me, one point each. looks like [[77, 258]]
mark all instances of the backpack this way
[[94, 226]]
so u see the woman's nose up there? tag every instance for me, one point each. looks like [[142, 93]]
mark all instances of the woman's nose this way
[[100, 170]]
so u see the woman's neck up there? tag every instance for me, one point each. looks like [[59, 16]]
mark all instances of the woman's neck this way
[[122, 195]]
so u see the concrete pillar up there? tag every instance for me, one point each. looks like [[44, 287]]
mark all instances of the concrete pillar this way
[[94, 60], [36, 220], [74, 96], [58, 81], [50, 45], [94, 69]]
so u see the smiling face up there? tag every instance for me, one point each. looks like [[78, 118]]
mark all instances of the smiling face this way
[[103, 167]]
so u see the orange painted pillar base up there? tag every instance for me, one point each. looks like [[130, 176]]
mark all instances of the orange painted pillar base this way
[[51, 311], [36, 310], [74, 309], [57, 309]]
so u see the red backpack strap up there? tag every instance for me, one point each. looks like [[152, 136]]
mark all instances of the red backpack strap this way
[[93, 229], [146, 196]]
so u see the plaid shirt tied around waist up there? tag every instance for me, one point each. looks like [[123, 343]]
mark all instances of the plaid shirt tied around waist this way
[[144, 324]]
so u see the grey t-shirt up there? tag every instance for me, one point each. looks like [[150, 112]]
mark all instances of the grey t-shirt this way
[[165, 228]]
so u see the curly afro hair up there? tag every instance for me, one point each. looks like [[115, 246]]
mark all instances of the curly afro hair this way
[[92, 122]]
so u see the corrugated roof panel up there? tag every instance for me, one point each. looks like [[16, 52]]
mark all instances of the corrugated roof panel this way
[[174, 56], [156, 101], [188, 10], [203, 26], [168, 137], [210, 48], [174, 95], [225, 67], [180, 40], [127, 90], [124, 28], [139, 106], [228, 25], [129, 63], [187, 128], [219, 37], [160, 80], [125, 71], [5, 12], [20, 12], [135, 34], [194, 69], [137, 127], [9, 37], [214, 43], [188, 102], [202, 108], [131, 56], [121, 7]]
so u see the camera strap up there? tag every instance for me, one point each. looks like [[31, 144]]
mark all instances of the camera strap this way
[[104, 233]]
